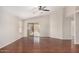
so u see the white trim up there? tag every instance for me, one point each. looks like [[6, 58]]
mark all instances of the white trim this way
[[9, 42]]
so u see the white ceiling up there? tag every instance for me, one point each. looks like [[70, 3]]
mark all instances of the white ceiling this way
[[25, 12]]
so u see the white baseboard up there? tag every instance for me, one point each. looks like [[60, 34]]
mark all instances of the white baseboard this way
[[9, 43]]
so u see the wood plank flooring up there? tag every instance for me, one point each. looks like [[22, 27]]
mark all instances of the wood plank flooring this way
[[46, 45]]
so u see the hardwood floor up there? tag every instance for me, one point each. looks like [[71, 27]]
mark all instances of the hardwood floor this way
[[46, 45]]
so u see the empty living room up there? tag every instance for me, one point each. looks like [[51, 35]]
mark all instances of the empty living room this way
[[39, 29]]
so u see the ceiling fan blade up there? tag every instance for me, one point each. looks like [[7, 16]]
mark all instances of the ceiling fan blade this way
[[43, 7], [46, 10]]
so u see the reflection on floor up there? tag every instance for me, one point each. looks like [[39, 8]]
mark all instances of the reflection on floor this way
[[46, 45]]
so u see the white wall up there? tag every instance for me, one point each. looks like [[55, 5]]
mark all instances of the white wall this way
[[77, 29], [50, 26], [67, 28], [69, 10], [43, 22], [9, 28], [56, 24]]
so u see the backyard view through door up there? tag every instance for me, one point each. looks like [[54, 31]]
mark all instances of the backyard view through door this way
[[34, 32]]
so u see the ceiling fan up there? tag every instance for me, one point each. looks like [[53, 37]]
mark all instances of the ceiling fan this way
[[43, 8]]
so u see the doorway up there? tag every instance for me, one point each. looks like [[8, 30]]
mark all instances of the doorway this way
[[32, 28]]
